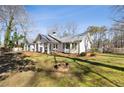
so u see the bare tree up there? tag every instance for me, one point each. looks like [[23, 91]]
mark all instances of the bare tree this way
[[64, 30], [118, 13], [98, 36], [117, 28], [71, 28], [118, 35], [12, 17], [55, 29]]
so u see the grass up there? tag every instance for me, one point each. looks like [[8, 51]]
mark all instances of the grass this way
[[103, 70]]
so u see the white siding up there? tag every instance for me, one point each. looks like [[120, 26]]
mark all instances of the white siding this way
[[85, 45], [82, 46], [75, 48], [32, 48], [60, 47]]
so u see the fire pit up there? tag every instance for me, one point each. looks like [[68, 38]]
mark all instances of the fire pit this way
[[61, 67]]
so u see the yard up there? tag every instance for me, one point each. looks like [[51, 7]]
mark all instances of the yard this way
[[101, 70]]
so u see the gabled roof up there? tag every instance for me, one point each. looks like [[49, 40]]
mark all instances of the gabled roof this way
[[54, 39], [44, 38], [41, 37], [75, 38]]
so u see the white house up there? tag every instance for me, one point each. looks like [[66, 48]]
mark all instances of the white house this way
[[71, 44]]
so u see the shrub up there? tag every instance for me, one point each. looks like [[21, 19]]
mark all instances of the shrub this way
[[83, 54]]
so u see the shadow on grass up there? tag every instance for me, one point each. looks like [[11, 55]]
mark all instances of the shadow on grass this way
[[13, 62], [97, 64], [86, 67], [115, 55]]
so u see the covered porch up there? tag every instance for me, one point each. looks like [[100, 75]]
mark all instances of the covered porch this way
[[38, 47], [71, 47]]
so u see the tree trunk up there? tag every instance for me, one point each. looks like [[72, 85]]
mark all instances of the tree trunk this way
[[8, 31]]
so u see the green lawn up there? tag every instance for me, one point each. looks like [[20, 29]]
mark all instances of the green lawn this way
[[103, 70]]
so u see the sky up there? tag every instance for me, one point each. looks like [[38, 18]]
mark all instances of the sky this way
[[46, 16]]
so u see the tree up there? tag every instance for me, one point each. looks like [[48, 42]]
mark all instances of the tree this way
[[0, 34], [117, 28], [118, 13], [71, 28], [68, 29], [98, 36], [15, 38], [117, 35], [12, 17], [55, 29]]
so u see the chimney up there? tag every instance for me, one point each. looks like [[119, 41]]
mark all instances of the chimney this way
[[54, 33]]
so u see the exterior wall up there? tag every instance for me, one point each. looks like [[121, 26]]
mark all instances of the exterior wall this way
[[85, 45], [43, 46], [65, 49], [40, 47], [48, 48], [82, 47], [72, 48], [75, 49], [60, 47], [32, 48]]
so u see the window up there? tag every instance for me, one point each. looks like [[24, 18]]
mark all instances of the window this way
[[74, 45], [55, 46], [63, 45], [67, 45]]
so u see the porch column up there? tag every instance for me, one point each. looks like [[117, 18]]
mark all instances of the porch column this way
[[64, 47], [70, 48], [43, 48], [78, 47], [24, 47], [48, 48], [39, 47], [35, 48], [27, 47]]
